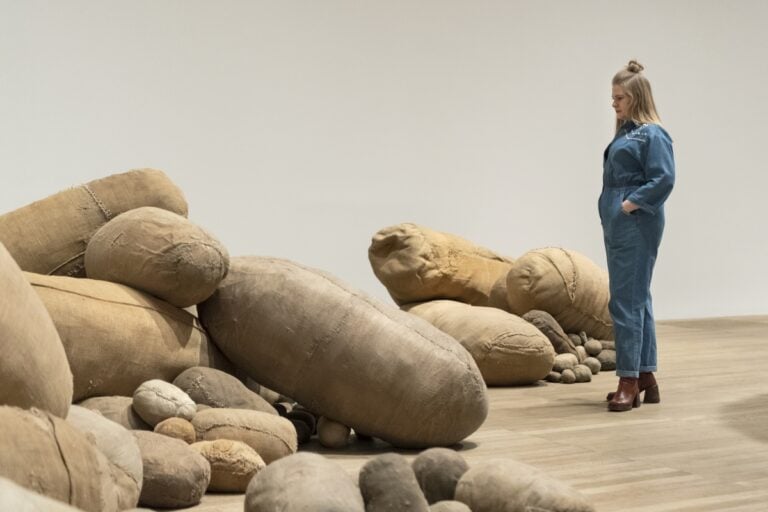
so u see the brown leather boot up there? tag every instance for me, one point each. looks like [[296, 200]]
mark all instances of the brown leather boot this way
[[627, 395], [648, 386]]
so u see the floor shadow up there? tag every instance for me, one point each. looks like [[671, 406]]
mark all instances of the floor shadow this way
[[374, 447], [749, 417]]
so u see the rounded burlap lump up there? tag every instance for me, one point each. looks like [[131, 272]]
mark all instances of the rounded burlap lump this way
[[508, 350], [233, 464], [50, 236], [271, 436], [116, 337], [506, 485], [16, 498], [388, 484], [345, 355], [565, 284], [417, 264], [215, 388], [158, 252], [156, 400], [44, 453], [119, 446], [175, 475], [177, 428], [34, 371], [303, 481], [438, 470], [118, 409]]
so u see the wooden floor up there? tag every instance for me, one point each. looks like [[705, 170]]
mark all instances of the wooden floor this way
[[704, 448]]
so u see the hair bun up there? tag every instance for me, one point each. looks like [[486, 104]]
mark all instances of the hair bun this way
[[634, 66]]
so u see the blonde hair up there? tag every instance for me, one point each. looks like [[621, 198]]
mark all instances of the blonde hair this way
[[642, 109]]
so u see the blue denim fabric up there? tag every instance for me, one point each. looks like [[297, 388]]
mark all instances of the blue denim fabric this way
[[637, 165]]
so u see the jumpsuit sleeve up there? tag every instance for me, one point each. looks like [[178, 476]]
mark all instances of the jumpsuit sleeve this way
[[659, 174]]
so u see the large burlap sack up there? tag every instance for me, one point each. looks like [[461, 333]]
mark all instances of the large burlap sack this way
[[44, 453], [344, 355], [565, 284], [175, 475], [50, 236], [416, 264], [303, 481], [508, 350], [116, 337], [16, 498], [509, 486], [271, 436], [159, 252], [219, 389], [34, 371], [119, 446], [118, 409]]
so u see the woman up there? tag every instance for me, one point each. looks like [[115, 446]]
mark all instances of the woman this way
[[638, 175]]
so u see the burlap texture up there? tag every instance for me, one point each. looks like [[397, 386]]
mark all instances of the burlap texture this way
[[15, 498], [119, 446], [116, 337], [118, 409], [508, 350], [388, 484], [505, 485], [417, 264], [345, 355], [34, 371], [271, 436], [50, 236], [303, 481], [565, 284], [159, 252], [44, 453], [233, 464], [219, 389]]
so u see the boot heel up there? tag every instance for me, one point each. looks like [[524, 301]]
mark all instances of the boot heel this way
[[652, 395], [636, 402]]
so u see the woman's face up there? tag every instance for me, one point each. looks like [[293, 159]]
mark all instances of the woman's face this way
[[621, 103]]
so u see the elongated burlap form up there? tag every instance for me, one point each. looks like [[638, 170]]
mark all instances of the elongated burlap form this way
[[50, 236], [34, 371], [505, 485], [44, 453], [159, 252], [417, 264], [565, 284], [116, 337], [345, 355], [303, 481], [508, 350]]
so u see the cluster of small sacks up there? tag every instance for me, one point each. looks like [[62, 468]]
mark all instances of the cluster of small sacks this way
[[187, 367]]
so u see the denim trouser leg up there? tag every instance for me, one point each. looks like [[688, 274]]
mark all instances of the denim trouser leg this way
[[631, 243]]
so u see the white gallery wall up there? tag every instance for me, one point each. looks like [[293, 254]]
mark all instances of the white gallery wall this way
[[300, 128]]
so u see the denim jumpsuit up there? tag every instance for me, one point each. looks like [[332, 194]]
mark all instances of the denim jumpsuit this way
[[638, 165]]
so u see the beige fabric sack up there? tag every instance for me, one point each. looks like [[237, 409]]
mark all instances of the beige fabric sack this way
[[388, 483], [118, 409], [175, 475], [417, 264], [506, 485], [303, 481], [344, 355], [116, 337], [159, 252], [119, 446], [508, 350], [271, 436], [565, 284], [15, 498], [34, 371], [50, 236], [44, 453], [233, 464], [156, 400], [219, 389]]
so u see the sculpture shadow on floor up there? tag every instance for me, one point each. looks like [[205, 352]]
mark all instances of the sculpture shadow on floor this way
[[749, 416]]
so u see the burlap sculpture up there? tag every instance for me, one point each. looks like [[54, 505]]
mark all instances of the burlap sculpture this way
[[34, 371], [50, 236], [159, 252], [417, 264], [116, 337], [508, 350], [565, 284], [344, 355]]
